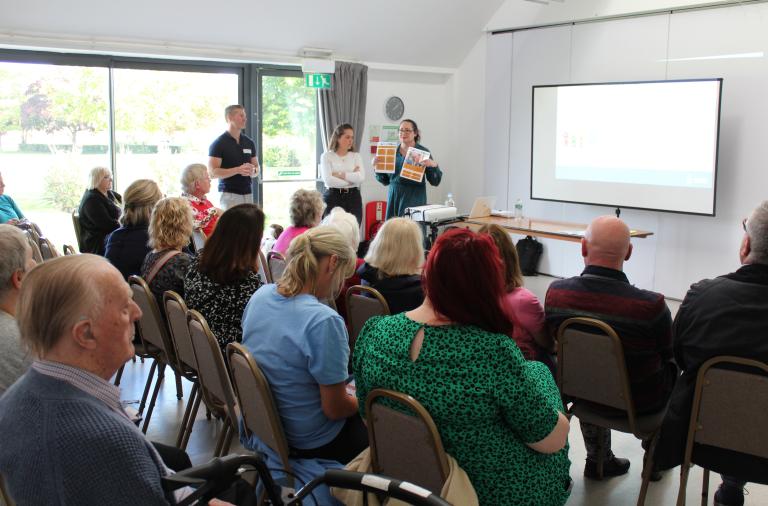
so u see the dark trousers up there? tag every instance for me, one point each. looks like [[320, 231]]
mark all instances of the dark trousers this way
[[348, 199], [351, 440]]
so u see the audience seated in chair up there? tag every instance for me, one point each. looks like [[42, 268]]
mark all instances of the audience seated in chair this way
[[347, 224], [128, 245], [64, 436], [306, 210], [393, 264], [99, 210], [270, 237], [15, 262], [223, 276], [641, 318], [170, 227], [9, 211], [302, 347], [195, 185], [499, 415], [727, 315], [530, 331]]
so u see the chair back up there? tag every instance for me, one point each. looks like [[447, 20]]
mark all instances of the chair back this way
[[152, 328], [591, 366], [729, 407], [198, 239], [264, 273], [32, 240], [176, 314], [211, 370], [257, 406], [276, 264], [403, 446], [47, 250], [78, 232], [68, 250], [363, 302]]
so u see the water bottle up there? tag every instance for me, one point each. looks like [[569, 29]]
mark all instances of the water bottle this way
[[450, 202], [518, 209]]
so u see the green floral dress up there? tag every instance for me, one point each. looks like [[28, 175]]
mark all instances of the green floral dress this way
[[485, 398]]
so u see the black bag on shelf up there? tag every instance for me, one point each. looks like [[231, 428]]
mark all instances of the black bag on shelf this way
[[529, 251]]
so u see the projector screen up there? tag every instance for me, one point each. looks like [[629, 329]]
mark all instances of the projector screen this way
[[643, 145]]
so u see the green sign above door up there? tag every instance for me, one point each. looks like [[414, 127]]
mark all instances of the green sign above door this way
[[318, 81]]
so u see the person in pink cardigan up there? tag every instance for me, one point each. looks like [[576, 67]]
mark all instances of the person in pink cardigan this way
[[306, 211], [523, 306]]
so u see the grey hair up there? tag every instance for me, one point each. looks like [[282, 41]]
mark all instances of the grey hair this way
[[96, 174], [757, 230], [190, 174], [306, 206], [13, 256], [346, 223]]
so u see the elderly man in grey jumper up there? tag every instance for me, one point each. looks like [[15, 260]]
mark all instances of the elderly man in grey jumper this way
[[15, 261]]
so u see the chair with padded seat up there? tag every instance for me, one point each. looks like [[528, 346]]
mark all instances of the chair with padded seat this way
[[257, 406], [276, 264], [264, 273], [78, 229], [402, 445], [591, 370], [214, 378], [362, 302], [156, 343], [729, 404]]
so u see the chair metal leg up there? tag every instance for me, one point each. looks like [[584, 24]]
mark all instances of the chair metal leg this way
[[179, 389], [220, 441], [705, 488], [684, 470], [191, 421], [647, 469], [227, 441], [147, 386], [160, 377], [119, 375], [187, 411]]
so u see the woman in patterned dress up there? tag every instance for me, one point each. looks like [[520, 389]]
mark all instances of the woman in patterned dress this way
[[499, 415]]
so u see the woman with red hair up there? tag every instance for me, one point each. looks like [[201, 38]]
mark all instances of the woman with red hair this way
[[499, 415]]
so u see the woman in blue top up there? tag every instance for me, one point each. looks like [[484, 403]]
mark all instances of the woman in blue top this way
[[405, 193], [9, 211], [303, 348]]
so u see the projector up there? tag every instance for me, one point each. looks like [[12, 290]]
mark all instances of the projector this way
[[431, 214]]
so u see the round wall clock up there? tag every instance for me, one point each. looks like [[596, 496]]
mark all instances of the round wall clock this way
[[394, 108]]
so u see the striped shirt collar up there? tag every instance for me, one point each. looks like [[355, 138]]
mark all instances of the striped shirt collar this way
[[86, 381]]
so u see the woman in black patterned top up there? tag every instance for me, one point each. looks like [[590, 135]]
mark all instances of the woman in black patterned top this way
[[170, 227], [224, 275]]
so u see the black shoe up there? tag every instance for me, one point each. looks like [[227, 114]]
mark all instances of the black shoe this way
[[614, 466], [729, 496], [656, 475]]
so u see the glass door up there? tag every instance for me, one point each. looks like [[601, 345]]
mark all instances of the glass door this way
[[288, 140]]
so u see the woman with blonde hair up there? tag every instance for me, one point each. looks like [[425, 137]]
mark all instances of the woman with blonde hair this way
[[306, 210], [195, 185], [522, 305], [128, 245], [99, 210], [170, 227], [393, 264], [303, 348]]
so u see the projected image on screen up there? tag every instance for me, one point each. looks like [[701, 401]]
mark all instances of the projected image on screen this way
[[645, 145]]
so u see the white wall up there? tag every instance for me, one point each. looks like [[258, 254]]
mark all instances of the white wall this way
[[683, 248]]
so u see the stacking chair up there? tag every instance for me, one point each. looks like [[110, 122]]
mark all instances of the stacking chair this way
[[257, 406], [76, 226], [591, 368], [68, 250], [266, 275], [403, 446], [363, 302], [198, 239], [276, 263], [156, 342], [176, 312], [728, 412], [32, 240], [214, 378], [47, 250]]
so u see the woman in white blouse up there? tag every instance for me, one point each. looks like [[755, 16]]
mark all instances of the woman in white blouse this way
[[343, 172]]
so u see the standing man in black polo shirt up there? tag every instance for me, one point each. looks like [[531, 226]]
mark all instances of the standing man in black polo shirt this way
[[232, 160]]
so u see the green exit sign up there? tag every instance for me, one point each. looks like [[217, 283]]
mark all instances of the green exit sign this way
[[319, 81]]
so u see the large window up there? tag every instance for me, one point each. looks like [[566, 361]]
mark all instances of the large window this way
[[54, 127], [288, 140]]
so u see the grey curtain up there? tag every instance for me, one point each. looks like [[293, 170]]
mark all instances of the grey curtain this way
[[345, 102]]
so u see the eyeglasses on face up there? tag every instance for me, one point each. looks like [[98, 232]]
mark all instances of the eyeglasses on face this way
[[744, 224], [405, 131]]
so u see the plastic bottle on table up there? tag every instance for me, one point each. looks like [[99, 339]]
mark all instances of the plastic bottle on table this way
[[450, 202], [518, 209]]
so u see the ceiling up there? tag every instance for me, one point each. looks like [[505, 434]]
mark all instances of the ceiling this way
[[426, 33]]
